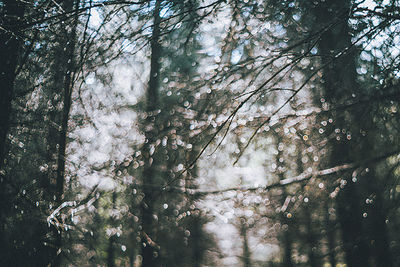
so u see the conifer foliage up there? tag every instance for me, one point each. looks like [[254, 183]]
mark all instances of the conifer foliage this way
[[199, 133]]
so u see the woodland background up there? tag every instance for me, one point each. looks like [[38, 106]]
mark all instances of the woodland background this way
[[199, 133]]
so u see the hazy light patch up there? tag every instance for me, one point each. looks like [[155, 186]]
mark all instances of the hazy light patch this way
[[165, 12], [98, 157], [236, 55], [262, 251], [367, 4], [130, 47], [90, 180], [86, 133], [90, 79], [95, 18], [123, 81], [225, 234], [371, 4], [232, 176], [127, 118], [97, 179], [365, 56], [106, 183]]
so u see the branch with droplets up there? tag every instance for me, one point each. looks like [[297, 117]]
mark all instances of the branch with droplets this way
[[302, 86], [75, 207], [227, 123], [305, 176]]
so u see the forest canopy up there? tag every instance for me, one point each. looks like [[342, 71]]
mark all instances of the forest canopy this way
[[200, 133]]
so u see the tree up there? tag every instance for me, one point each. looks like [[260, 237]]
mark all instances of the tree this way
[[38, 154], [128, 114], [10, 43]]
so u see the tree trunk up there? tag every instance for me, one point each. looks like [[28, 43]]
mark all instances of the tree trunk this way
[[149, 250], [10, 43], [330, 234], [111, 240], [313, 260], [246, 257], [68, 85], [311, 239], [69, 40], [197, 250], [287, 243], [286, 235], [10, 13], [376, 221], [196, 224], [339, 82]]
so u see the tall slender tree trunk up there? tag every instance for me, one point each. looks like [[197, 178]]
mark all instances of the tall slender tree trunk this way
[[246, 257], [312, 242], [339, 82], [195, 224], [197, 250], [68, 85], [149, 250], [10, 43], [288, 250], [313, 259], [374, 185], [376, 221], [67, 69], [112, 239], [286, 235], [330, 234]]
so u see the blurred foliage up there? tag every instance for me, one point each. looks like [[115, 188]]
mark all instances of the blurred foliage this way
[[125, 119]]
